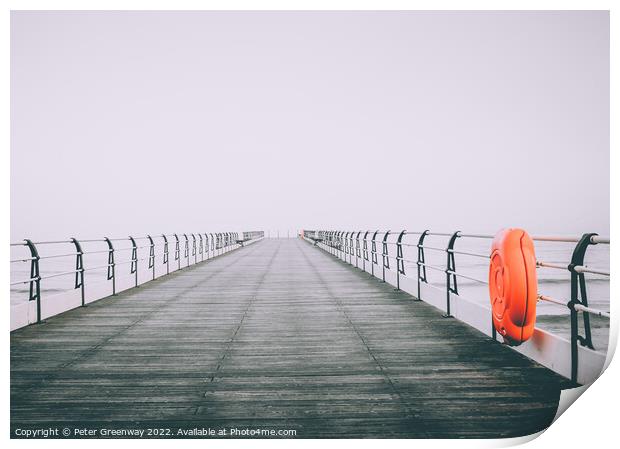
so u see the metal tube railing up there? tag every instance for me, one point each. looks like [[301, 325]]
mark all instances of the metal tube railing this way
[[227, 241]]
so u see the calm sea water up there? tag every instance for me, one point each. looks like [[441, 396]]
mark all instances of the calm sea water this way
[[551, 282]]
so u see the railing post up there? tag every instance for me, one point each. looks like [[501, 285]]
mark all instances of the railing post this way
[[385, 254], [348, 241], [151, 254], [207, 246], [421, 263], [134, 259], [177, 250], [400, 263], [365, 251], [79, 268], [347, 252], [35, 278], [212, 244], [186, 251], [194, 249], [111, 265], [578, 295], [200, 248], [451, 285], [166, 255], [373, 253], [358, 251], [351, 247], [335, 241], [338, 248]]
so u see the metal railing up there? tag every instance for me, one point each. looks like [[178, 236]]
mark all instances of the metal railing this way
[[342, 243], [251, 235], [212, 245]]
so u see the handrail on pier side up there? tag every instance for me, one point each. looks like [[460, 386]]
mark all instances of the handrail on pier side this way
[[337, 243], [226, 241]]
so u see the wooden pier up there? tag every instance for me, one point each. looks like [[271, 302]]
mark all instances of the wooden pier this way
[[278, 335]]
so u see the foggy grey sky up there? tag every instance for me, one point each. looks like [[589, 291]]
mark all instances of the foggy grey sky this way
[[150, 122]]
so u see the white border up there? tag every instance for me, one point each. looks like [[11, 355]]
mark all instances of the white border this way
[[590, 422]]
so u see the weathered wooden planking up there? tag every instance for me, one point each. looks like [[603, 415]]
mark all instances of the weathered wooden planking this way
[[279, 335]]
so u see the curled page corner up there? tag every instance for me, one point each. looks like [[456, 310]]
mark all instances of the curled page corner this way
[[570, 395], [567, 398], [517, 441]]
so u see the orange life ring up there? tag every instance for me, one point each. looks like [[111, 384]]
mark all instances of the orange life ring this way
[[512, 285]]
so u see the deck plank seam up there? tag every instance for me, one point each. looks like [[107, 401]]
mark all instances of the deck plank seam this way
[[243, 317], [377, 362], [229, 344]]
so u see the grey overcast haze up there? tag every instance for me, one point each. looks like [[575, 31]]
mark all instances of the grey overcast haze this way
[[151, 122]]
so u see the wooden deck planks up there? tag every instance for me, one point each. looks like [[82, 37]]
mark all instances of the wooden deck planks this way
[[276, 335]]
